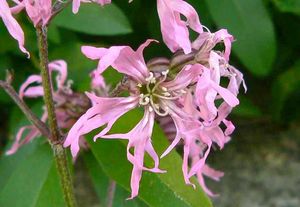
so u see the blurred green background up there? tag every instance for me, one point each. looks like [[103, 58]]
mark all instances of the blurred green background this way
[[261, 164]]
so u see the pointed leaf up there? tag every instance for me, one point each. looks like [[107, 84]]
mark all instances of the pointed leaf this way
[[29, 178], [252, 28], [95, 20]]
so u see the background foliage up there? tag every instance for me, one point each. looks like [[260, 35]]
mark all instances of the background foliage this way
[[266, 50]]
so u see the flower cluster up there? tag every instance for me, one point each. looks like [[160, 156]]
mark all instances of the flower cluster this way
[[187, 91], [190, 95], [68, 104]]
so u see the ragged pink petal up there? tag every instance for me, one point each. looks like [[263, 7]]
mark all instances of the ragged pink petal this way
[[39, 11], [31, 91], [208, 87], [97, 80], [122, 58], [61, 67], [223, 35], [174, 29], [104, 111], [201, 181], [196, 166], [33, 132], [12, 25], [187, 76], [212, 173], [140, 139], [19, 142]]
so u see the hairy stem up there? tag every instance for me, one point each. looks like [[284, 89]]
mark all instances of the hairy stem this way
[[25, 109], [46, 82], [120, 87], [55, 138]]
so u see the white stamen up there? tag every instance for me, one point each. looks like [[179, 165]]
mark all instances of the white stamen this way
[[150, 77], [139, 85], [167, 98], [156, 106], [165, 72], [144, 100], [153, 80], [150, 109], [182, 91], [164, 88], [206, 28], [165, 113], [166, 94]]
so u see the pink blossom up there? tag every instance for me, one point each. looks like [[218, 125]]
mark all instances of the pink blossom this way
[[38, 10], [206, 41], [32, 88], [76, 3], [174, 29], [197, 143], [154, 93], [97, 80], [32, 133], [164, 96], [12, 25], [208, 88]]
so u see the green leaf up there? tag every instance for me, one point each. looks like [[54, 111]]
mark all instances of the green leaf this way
[[252, 28], [95, 20], [292, 6], [29, 178], [283, 88], [247, 109], [157, 190], [53, 34], [101, 183]]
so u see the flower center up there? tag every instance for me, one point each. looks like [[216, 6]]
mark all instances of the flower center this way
[[153, 93]]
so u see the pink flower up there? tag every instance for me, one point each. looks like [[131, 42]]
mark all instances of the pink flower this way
[[196, 117], [174, 29], [39, 11], [208, 87], [12, 25], [76, 3], [151, 91], [206, 41], [29, 90], [32, 133]]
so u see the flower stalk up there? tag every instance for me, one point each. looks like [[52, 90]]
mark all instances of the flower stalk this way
[[28, 113], [55, 138]]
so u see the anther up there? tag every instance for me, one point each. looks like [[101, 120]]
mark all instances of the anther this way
[[166, 94], [165, 72], [153, 80], [182, 91], [164, 89], [150, 109], [150, 77]]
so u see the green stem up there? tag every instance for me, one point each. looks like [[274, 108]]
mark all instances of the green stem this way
[[55, 138]]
